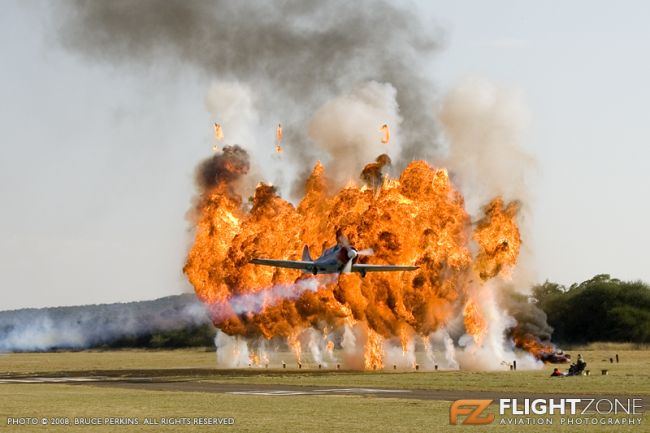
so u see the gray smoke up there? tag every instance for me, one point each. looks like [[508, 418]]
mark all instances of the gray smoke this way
[[97, 325], [294, 54], [530, 318]]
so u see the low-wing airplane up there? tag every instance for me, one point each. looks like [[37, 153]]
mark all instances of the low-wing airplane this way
[[338, 259]]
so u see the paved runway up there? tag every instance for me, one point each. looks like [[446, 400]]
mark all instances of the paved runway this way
[[272, 390]]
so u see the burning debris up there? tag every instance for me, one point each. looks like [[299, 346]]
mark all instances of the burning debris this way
[[385, 138], [218, 132], [278, 138], [544, 351]]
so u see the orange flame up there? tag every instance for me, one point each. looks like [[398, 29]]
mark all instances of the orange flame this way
[[373, 353], [543, 351], [294, 345], [475, 324], [497, 235]]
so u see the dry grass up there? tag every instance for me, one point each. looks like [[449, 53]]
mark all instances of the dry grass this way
[[631, 375], [252, 413], [105, 360]]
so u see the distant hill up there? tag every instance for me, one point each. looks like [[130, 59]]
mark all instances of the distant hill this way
[[169, 322]]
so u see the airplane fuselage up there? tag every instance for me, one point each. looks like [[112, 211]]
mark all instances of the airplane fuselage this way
[[331, 261]]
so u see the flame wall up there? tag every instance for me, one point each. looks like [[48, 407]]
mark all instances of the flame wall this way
[[417, 219]]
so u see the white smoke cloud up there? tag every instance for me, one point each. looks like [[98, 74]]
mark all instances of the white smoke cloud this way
[[232, 351], [347, 128], [485, 126], [396, 355], [232, 105], [352, 345], [450, 351], [95, 325], [440, 342]]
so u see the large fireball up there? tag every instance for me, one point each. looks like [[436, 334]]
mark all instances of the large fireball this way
[[417, 219]]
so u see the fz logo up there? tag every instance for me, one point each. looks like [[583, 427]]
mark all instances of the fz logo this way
[[472, 409]]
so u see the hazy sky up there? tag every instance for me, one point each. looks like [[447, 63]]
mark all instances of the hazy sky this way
[[96, 161]]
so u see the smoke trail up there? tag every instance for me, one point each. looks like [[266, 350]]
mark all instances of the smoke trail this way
[[256, 302], [294, 55]]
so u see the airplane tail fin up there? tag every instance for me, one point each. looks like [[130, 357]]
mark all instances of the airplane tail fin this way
[[306, 257]]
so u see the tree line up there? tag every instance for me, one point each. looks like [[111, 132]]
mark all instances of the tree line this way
[[600, 309]]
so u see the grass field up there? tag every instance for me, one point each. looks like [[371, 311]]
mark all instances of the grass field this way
[[251, 413], [631, 374], [105, 360], [289, 413]]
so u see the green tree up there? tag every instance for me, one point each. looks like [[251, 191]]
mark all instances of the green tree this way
[[600, 309]]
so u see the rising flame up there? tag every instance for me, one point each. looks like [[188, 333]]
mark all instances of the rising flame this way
[[418, 218], [294, 345], [278, 138], [475, 323], [373, 353]]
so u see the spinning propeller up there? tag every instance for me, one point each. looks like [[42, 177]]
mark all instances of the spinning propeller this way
[[353, 253]]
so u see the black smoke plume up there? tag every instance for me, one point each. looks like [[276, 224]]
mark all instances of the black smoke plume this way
[[224, 167], [294, 54]]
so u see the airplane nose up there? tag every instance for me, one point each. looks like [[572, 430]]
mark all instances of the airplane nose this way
[[352, 253]]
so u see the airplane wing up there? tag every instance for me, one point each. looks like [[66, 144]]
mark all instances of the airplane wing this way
[[293, 264], [382, 268]]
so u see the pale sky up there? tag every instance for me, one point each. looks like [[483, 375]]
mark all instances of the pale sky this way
[[96, 161]]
